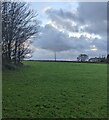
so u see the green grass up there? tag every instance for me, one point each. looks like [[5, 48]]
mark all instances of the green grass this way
[[55, 90]]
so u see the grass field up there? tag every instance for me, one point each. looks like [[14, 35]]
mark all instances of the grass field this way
[[55, 90]]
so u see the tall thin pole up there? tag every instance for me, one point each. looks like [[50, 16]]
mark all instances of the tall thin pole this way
[[0, 61], [55, 55]]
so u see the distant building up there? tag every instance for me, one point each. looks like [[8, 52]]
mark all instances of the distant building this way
[[97, 59]]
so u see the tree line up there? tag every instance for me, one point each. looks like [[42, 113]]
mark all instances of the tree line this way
[[19, 24]]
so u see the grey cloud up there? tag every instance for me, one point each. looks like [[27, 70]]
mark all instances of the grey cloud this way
[[54, 40], [53, 14], [51, 39], [93, 11], [100, 44], [63, 19], [93, 14]]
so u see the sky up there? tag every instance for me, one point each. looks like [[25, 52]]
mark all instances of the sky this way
[[70, 29]]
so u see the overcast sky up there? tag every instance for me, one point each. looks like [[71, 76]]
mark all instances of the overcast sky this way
[[70, 29]]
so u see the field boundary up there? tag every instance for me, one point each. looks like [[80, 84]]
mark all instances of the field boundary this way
[[67, 61]]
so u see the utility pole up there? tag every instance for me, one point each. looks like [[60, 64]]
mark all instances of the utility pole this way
[[55, 55]]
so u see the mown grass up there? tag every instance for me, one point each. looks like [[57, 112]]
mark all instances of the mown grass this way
[[55, 90]]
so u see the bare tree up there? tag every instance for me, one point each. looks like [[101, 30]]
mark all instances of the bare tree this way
[[19, 24]]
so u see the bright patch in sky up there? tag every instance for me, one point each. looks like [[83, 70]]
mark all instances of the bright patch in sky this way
[[93, 48]]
